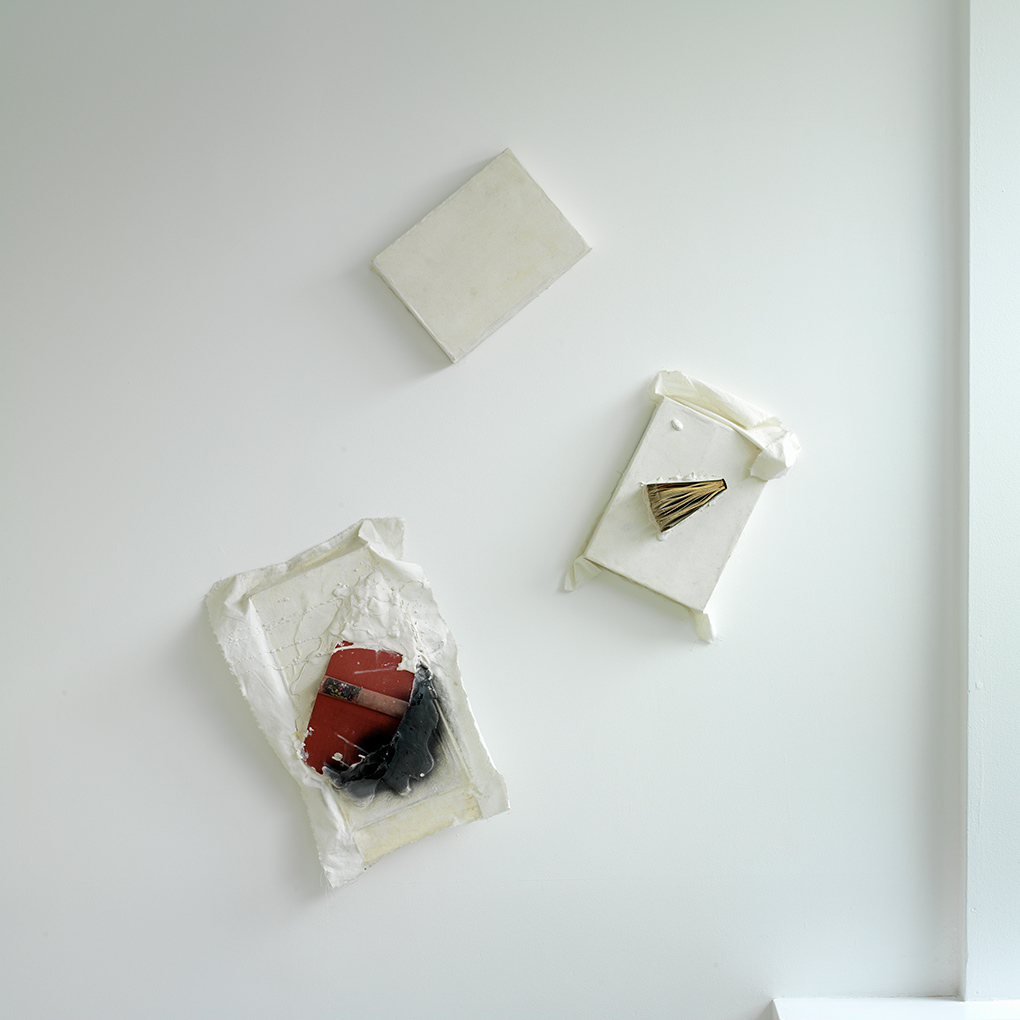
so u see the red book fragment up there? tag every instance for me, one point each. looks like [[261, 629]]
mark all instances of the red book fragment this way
[[341, 730]]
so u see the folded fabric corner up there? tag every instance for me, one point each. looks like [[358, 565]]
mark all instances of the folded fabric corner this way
[[702, 625], [780, 447], [581, 571]]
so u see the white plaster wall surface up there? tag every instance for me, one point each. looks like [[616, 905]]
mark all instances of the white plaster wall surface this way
[[201, 375], [993, 887]]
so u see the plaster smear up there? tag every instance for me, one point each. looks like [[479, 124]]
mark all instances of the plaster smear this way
[[696, 432], [278, 627]]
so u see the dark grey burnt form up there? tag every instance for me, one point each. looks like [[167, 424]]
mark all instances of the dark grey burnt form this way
[[407, 757]]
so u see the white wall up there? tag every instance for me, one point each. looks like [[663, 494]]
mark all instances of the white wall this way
[[201, 375], [993, 821]]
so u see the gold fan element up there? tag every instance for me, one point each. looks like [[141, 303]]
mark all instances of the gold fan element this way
[[672, 502]]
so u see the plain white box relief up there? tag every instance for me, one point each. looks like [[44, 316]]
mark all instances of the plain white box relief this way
[[479, 257]]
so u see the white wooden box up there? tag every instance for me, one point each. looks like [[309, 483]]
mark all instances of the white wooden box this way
[[696, 432], [479, 257], [685, 563]]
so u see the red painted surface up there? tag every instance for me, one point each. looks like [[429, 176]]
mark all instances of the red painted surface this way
[[338, 727]]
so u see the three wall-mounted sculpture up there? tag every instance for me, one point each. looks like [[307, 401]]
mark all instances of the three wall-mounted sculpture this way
[[341, 653]]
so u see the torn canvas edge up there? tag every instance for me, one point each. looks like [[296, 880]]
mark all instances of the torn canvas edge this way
[[242, 638], [779, 448]]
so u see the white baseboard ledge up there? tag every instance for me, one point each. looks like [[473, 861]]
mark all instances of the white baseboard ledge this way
[[894, 1009]]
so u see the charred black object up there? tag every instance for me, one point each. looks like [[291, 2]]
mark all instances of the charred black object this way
[[407, 757]]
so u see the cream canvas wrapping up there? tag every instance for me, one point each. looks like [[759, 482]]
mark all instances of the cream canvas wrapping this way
[[278, 626]]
